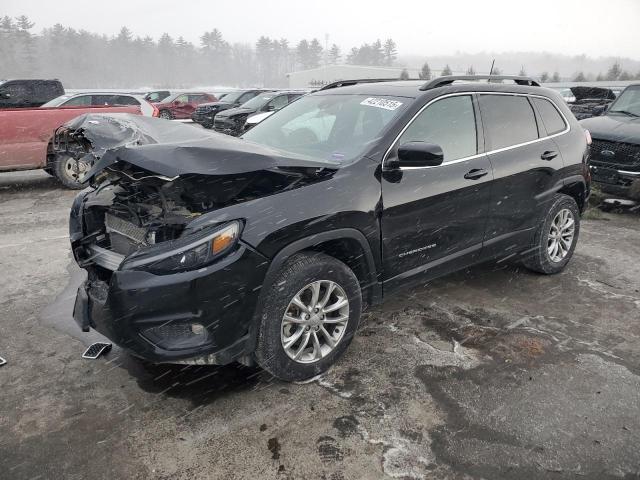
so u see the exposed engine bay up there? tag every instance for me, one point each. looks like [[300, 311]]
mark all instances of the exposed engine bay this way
[[151, 177]]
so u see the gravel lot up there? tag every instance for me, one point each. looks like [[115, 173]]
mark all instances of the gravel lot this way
[[489, 373]]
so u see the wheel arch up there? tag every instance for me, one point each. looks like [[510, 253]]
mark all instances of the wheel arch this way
[[576, 188], [348, 245]]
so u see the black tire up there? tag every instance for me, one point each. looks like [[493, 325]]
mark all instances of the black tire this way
[[62, 171], [299, 271], [539, 259], [166, 114]]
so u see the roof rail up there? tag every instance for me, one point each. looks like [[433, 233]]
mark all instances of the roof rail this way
[[347, 83], [448, 80]]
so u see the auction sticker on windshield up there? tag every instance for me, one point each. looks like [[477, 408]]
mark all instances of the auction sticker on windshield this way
[[381, 103]]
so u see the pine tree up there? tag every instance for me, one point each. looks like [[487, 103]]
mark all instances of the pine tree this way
[[334, 54], [614, 72], [315, 53], [579, 77], [404, 74], [544, 77], [425, 72], [446, 71], [390, 52], [555, 77]]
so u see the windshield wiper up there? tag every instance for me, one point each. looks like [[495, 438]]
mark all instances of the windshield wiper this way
[[626, 112]]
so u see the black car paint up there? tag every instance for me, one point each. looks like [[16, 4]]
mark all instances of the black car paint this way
[[231, 121], [468, 220], [34, 93], [205, 113]]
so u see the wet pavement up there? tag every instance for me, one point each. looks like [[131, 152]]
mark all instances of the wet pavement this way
[[489, 373]]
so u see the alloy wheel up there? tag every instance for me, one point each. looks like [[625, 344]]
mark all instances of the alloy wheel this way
[[561, 235], [315, 321]]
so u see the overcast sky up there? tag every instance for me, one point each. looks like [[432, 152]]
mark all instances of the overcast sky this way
[[422, 27]]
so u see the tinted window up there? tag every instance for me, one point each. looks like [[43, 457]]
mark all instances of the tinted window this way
[[18, 92], [182, 98], [450, 123], [551, 118], [124, 100], [508, 120]]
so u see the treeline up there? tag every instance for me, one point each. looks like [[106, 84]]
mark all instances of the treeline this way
[[82, 59]]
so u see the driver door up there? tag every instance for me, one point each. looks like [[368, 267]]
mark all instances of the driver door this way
[[434, 218]]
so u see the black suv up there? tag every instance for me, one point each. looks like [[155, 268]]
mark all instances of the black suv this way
[[232, 121], [206, 112], [615, 152], [205, 249], [28, 93]]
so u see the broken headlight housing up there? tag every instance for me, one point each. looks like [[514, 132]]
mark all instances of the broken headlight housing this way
[[186, 253]]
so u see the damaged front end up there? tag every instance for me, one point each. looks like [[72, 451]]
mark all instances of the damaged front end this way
[[169, 278]]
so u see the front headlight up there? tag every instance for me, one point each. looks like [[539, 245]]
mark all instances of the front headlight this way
[[187, 253]]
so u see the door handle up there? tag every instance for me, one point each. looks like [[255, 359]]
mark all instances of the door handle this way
[[549, 155], [475, 174]]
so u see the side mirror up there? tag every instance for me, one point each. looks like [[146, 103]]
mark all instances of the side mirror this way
[[419, 154], [270, 108]]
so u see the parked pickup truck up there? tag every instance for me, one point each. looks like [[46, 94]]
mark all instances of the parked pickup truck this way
[[26, 140]]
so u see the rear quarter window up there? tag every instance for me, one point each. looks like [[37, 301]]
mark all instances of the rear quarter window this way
[[551, 118], [508, 120]]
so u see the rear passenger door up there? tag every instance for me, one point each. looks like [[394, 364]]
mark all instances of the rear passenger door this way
[[525, 163], [433, 218]]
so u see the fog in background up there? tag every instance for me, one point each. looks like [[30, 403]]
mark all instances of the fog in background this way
[[120, 44]]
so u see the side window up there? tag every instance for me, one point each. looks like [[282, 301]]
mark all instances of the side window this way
[[508, 120], [450, 123], [125, 100], [196, 98], [18, 92], [81, 100], [551, 118], [278, 102], [102, 100], [182, 98]]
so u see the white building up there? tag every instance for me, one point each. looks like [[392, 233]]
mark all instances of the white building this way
[[317, 77]]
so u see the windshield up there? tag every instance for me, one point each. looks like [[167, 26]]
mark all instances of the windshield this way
[[232, 97], [257, 102], [328, 127], [628, 102]]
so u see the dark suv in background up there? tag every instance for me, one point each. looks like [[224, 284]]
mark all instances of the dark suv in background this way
[[232, 121], [615, 152], [28, 93], [209, 249], [205, 113]]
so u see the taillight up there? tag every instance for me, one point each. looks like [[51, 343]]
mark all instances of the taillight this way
[[156, 113], [587, 134]]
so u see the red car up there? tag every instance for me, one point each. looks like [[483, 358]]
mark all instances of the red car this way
[[182, 105]]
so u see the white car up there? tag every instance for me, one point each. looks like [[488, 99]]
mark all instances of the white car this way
[[88, 99]]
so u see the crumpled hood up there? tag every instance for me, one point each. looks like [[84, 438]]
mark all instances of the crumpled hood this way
[[616, 128], [172, 149]]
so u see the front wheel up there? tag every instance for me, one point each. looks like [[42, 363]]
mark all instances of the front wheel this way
[[310, 315], [70, 171], [556, 238], [166, 114]]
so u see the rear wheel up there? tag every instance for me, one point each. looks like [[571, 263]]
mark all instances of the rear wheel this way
[[556, 238], [70, 171], [310, 315]]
